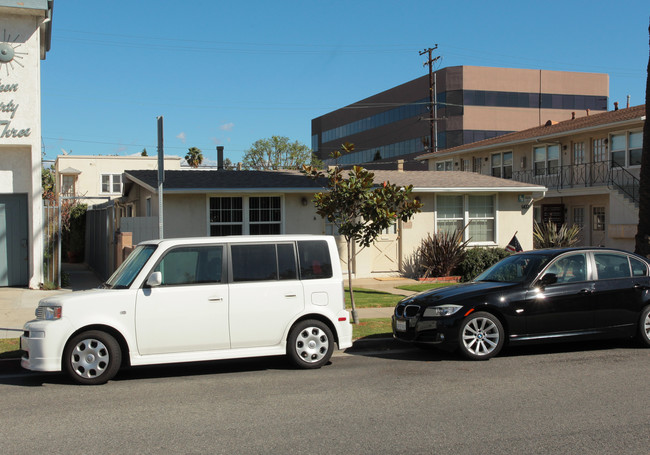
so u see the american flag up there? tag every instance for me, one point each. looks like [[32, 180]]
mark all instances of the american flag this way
[[514, 245]]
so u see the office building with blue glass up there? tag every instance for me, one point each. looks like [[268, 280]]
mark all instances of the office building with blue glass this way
[[473, 103]]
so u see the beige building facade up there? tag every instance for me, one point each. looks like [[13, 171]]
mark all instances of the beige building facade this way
[[590, 166], [24, 41]]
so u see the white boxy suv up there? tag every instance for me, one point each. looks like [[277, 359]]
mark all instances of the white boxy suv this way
[[194, 299]]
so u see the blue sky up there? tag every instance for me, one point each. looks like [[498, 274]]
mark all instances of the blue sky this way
[[230, 73]]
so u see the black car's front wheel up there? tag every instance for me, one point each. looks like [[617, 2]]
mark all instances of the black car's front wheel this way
[[481, 336]]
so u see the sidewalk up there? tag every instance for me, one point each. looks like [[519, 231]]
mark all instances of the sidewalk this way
[[17, 305]]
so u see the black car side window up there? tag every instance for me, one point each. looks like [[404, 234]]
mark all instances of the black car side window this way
[[638, 268], [611, 266], [569, 269]]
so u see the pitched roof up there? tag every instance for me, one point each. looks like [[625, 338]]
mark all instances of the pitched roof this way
[[549, 130], [201, 181]]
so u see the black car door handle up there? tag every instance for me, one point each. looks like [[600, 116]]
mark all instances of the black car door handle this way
[[585, 291], [640, 286]]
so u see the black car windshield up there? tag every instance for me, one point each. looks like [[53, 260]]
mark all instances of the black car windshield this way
[[126, 273], [518, 268]]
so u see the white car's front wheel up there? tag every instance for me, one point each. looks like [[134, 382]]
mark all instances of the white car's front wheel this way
[[92, 357]]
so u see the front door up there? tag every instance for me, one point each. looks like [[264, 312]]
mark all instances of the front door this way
[[14, 252], [565, 306], [189, 310]]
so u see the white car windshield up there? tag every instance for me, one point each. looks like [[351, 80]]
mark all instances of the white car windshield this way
[[126, 273]]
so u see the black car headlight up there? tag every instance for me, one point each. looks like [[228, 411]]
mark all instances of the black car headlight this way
[[441, 310]]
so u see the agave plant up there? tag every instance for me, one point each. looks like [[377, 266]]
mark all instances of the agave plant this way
[[441, 253], [549, 235]]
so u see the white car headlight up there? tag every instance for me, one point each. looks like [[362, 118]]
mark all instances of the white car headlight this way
[[49, 313], [442, 310]]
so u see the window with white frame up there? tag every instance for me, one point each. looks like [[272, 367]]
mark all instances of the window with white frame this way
[[466, 165], [578, 153], [67, 186], [502, 165], [264, 215], [255, 215], [600, 150], [598, 223], [112, 183], [445, 165], [546, 159], [626, 149], [226, 216], [481, 218], [450, 213], [478, 212]]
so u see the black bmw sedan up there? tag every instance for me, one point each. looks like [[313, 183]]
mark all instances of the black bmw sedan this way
[[532, 297]]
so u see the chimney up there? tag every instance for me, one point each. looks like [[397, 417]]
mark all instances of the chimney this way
[[628, 101], [239, 166], [616, 105], [400, 165], [573, 115], [219, 157], [587, 112]]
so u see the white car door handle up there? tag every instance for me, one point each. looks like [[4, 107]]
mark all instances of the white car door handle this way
[[290, 295], [215, 299]]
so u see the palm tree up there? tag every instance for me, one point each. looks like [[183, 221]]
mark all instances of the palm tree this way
[[194, 157]]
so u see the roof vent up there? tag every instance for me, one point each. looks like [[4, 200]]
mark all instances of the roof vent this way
[[550, 122]]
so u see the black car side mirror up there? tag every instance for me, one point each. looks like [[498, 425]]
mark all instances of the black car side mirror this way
[[549, 278]]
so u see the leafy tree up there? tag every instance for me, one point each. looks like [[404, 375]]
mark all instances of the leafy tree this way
[[278, 153], [358, 207], [194, 157], [144, 152], [47, 181], [642, 239]]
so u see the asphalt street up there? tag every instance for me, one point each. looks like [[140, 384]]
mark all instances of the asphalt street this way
[[560, 399]]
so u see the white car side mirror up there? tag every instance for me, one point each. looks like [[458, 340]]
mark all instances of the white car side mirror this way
[[155, 279]]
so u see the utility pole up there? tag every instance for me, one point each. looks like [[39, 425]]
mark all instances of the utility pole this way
[[433, 98]]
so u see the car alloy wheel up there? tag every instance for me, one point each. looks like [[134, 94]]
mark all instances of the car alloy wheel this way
[[481, 336]]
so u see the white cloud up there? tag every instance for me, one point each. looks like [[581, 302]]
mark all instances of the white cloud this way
[[227, 126], [182, 137]]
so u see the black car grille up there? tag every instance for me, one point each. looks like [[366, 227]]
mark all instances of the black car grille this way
[[407, 311]]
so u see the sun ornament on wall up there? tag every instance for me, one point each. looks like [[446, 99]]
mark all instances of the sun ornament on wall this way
[[10, 55]]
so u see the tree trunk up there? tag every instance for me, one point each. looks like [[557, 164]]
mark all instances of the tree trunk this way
[[355, 318], [642, 239]]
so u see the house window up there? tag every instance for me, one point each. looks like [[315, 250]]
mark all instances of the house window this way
[[546, 159], [600, 150], [476, 166], [466, 165], [445, 165], [598, 218], [148, 207], [579, 217], [255, 215], [453, 213], [626, 149], [481, 218], [502, 165], [112, 183], [67, 187], [578, 153], [450, 214], [226, 216], [264, 215]]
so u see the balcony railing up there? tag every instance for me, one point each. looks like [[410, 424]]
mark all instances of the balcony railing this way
[[582, 175]]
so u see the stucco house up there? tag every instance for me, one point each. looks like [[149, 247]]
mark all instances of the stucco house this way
[[25, 41], [94, 179], [220, 202], [589, 164]]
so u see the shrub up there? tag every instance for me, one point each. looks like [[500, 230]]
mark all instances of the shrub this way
[[440, 254], [477, 260], [549, 235]]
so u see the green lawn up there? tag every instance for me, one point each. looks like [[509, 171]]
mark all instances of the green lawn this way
[[372, 328], [10, 348], [368, 298], [424, 286]]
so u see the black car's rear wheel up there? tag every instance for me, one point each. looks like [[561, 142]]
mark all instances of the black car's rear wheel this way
[[644, 327], [481, 336]]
